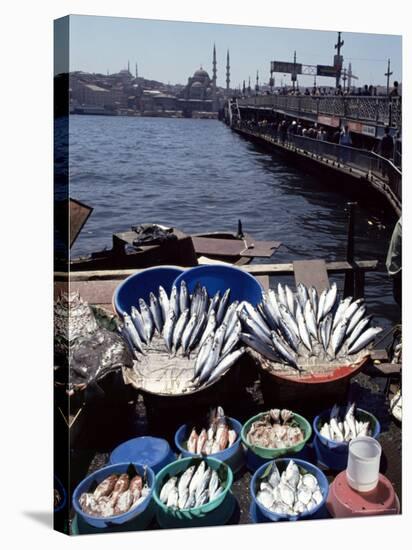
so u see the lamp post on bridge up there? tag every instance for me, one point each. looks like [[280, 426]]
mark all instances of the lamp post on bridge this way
[[338, 60], [294, 71], [388, 74]]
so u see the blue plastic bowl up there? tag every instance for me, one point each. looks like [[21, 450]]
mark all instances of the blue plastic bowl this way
[[150, 451], [99, 476], [140, 285], [233, 456], [221, 277], [282, 464], [334, 454]]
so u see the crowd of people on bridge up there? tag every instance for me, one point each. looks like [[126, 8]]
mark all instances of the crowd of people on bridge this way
[[318, 91], [285, 131]]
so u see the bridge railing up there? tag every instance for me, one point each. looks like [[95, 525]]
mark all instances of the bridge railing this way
[[368, 162], [374, 109]]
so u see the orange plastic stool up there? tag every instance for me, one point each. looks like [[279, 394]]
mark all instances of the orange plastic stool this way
[[345, 502]]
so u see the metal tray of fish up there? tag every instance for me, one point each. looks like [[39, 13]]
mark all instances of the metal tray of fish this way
[[302, 334], [161, 375], [182, 343]]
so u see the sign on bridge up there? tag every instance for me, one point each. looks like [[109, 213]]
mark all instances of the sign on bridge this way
[[298, 68], [285, 67], [326, 70]]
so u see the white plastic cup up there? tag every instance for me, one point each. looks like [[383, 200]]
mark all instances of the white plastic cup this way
[[364, 459]]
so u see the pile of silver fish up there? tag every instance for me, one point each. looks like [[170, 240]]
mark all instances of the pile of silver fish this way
[[207, 327], [116, 495], [287, 327], [194, 487], [292, 493], [345, 426], [217, 437], [275, 430]]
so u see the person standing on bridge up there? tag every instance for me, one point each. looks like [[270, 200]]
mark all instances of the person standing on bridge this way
[[397, 153], [292, 131], [344, 138], [394, 92], [283, 130], [386, 150], [336, 135], [365, 90]]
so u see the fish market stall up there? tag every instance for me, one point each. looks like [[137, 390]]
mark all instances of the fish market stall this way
[[168, 365]]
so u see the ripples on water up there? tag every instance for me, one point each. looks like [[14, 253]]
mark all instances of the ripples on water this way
[[198, 175]]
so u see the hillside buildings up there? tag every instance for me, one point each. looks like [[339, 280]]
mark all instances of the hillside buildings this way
[[125, 93]]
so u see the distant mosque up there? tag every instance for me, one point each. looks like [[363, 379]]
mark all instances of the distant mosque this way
[[201, 92], [199, 86]]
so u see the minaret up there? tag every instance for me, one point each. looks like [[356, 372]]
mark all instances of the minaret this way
[[248, 87], [128, 66], [339, 59], [214, 79], [214, 65], [227, 73], [244, 88], [257, 81]]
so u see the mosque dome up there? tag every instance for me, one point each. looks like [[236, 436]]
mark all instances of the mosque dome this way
[[200, 74]]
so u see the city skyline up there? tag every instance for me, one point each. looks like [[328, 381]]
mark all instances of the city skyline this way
[[169, 51]]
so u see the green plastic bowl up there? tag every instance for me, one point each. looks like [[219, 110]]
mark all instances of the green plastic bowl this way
[[269, 452], [179, 466]]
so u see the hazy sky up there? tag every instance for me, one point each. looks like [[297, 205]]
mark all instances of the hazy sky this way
[[171, 51]]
